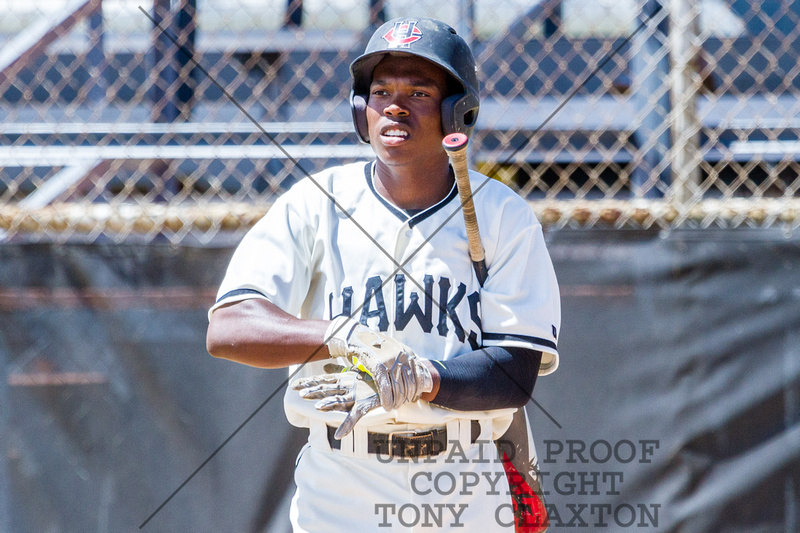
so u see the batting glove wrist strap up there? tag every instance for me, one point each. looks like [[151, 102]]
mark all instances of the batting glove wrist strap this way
[[426, 384], [337, 334], [409, 377]]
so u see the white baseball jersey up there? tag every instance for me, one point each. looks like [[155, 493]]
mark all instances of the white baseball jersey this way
[[332, 245]]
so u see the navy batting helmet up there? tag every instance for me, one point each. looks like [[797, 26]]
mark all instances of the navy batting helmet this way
[[429, 39]]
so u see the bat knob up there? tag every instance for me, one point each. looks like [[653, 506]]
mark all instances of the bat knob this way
[[454, 141]]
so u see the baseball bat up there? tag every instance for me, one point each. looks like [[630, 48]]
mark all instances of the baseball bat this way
[[531, 515], [455, 145]]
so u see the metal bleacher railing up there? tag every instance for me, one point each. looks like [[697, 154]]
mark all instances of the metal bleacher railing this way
[[130, 119]]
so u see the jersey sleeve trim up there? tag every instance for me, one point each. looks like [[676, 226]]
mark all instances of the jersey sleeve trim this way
[[236, 295], [239, 292], [549, 350], [507, 338]]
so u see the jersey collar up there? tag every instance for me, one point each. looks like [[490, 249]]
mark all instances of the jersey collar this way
[[369, 174]]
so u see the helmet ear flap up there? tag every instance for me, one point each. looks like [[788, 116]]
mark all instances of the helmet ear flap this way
[[459, 114], [449, 122], [358, 105]]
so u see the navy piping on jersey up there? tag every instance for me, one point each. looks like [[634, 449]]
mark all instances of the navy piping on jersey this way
[[237, 292], [399, 213], [523, 338]]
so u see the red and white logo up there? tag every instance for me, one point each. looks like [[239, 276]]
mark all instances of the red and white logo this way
[[403, 34]]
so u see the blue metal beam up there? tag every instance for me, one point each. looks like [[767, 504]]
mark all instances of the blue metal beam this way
[[32, 42]]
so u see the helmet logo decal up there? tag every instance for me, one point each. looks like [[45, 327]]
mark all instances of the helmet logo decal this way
[[403, 34]]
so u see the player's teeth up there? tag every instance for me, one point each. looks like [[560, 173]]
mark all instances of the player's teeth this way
[[396, 133]]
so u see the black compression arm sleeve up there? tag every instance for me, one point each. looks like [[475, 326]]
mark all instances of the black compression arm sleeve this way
[[492, 377]]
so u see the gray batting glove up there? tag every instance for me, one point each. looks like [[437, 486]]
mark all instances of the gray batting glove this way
[[400, 375], [342, 389]]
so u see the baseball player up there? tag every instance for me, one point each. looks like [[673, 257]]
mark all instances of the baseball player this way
[[405, 368]]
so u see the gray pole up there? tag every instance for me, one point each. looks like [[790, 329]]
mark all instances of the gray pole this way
[[164, 72], [684, 17], [466, 20], [466, 29], [650, 72], [95, 57], [186, 33]]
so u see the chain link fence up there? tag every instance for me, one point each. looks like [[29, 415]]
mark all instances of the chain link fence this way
[[181, 119]]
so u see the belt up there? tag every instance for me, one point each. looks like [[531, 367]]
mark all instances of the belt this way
[[406, 443]]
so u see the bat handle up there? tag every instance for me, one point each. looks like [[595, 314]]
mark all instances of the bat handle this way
[[456, 147]]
